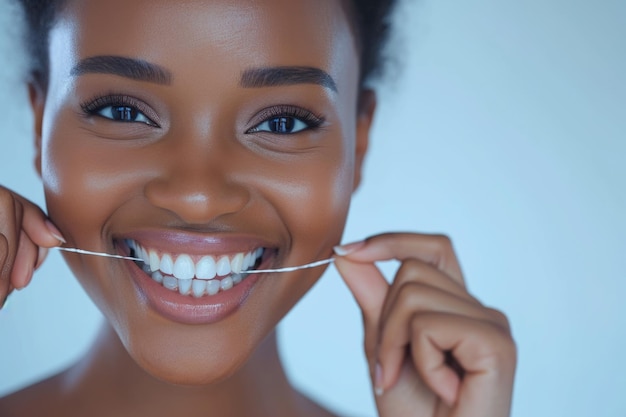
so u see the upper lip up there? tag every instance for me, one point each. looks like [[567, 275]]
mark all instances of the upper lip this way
[[171, 241]]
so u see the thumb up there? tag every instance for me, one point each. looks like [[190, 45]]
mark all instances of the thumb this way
[[41, 231], [367, 285], [369, 288]]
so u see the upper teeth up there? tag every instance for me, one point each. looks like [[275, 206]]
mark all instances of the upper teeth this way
[[182, 266]]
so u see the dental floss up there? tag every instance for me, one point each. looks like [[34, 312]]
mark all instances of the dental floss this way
[[292, 268], [106, 255], [254, 271]]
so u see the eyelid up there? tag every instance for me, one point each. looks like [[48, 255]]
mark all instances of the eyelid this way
[[287, 110], [99, 102]]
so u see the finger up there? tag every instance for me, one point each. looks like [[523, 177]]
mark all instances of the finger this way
[[25, 229], [436, 250], [41, 231], [367, 285], [25, 262], [369, 288], [5, 285], [41, 256], [415, 299], [419, 272], [485, 353], [10, 219]]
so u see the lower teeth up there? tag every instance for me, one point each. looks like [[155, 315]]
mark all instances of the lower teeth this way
[[195, 287], [198, 287]]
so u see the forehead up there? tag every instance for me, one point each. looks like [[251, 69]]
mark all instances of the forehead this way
[[208, 34]]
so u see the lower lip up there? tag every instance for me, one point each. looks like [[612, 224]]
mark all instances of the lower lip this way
[[190, 310]]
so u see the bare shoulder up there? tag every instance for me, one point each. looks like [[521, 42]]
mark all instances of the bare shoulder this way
[[52, 398], [42, 398]]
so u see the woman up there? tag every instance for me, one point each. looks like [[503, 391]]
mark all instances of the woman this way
[[210, 138]]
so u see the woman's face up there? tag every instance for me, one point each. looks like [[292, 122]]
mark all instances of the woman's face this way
[[200, 135]]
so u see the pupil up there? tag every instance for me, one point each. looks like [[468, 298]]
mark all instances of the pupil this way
[[124, 113], [282, 124]]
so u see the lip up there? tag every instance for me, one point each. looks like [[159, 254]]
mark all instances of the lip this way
[[182, 308], [195, 243]]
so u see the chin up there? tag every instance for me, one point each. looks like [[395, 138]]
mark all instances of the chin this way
[[192, 355], [188, 369], [188, 374]]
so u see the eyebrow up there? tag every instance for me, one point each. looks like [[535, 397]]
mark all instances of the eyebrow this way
[[133, 68], [276, 76]]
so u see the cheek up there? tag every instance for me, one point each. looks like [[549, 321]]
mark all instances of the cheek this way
[[85, 184], [327, 194], [325, 200], [85, 180], [313, 198]]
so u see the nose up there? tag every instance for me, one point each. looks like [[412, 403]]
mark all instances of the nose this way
[[197, 185]]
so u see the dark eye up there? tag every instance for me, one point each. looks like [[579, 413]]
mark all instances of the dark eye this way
[[286, 120], [120, 108], [124, 114], [281, 125]]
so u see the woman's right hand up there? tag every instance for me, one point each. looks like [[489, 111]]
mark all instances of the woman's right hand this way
[[26, 234]]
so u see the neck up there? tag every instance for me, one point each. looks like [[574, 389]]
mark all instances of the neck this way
[[109, 374]]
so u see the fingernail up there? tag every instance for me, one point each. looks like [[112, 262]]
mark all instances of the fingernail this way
[[378, 380], [349, 248], [54, 231]]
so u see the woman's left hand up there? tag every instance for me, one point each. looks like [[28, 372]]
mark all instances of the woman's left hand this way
[[433, 349]]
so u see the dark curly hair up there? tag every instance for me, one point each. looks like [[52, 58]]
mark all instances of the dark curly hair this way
[[371, 20]]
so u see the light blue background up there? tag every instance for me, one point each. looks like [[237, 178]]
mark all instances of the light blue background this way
[[504, 129]]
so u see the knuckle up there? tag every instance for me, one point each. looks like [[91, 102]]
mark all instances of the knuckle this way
[[411, 267], [412, 294], [419, 323], [444, 242], [444, 248], [499, 317], [501, 339], [501, 352], [7, 199], [506, 341], [512, 349]]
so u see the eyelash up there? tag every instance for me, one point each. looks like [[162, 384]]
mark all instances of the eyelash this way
[[311, 120], [92, 107]]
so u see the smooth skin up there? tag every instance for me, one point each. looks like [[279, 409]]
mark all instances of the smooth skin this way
[[414, 325], [433, 349]]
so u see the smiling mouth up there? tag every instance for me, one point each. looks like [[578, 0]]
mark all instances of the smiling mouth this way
[[192, 275]]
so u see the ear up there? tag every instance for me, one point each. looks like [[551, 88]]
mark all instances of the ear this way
[[365, 117], [37, 102]]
